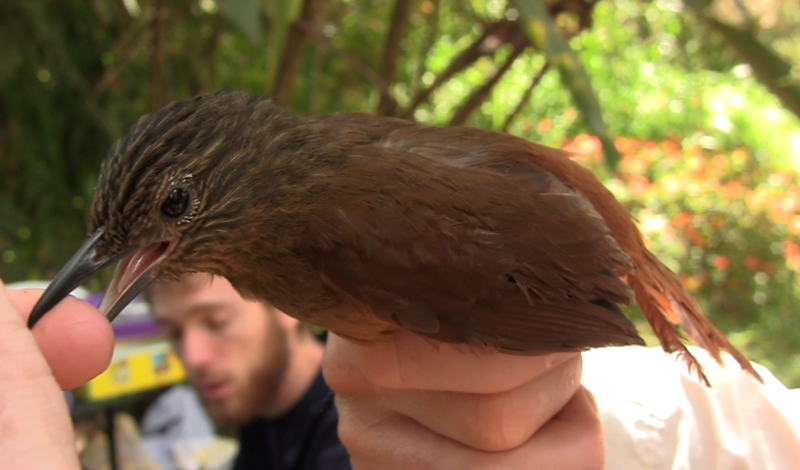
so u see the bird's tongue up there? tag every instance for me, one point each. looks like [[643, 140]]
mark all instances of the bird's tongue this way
[[137, 263], [132, 275]]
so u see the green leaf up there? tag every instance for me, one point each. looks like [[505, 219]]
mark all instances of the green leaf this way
[[769, 68], [697, 4], [245, 14], [546, 37]]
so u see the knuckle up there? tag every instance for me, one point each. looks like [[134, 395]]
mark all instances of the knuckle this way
[[499, 424]]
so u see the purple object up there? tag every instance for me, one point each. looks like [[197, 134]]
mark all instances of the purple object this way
[[135, 328], [95, 298], [135, 320]]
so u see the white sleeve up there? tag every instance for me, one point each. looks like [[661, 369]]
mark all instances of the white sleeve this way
[[658, 417]]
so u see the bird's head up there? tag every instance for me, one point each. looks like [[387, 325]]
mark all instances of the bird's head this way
[[169, 196]]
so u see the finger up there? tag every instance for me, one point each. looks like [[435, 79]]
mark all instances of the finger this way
[[380, 439], [35, 430], [576, 433], [75, 338], [492, 422], [408, 361]]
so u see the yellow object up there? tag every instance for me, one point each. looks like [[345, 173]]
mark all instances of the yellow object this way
[[135, 368]]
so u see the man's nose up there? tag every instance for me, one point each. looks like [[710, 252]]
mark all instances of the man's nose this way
[[197, 349]]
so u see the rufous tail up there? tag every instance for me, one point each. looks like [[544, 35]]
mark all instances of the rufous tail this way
[[665, 303]]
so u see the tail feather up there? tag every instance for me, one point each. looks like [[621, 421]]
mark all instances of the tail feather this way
[[668, 335], [666, 303]]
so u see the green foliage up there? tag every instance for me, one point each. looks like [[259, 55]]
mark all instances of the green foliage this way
[[573, 76]]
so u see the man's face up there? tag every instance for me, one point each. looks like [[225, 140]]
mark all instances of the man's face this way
[[234, 351]]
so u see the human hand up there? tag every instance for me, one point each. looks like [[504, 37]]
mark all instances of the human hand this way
[[406, 403], [68, 347]]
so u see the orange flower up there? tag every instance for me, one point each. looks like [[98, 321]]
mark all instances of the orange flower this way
[[584, 145], [635, 163], [681, 220], [751, 262], [781, 178], [755, 199], [789, 204], [722, 262], [638, 185], [695, 162], [794, 225], [793, 255], [672, 184], [792, 251], [792, 200], [668, 235], [733, 190], [719, 161], [650, 146], [672, 150], [739, 155], [691, 284], [545, 124], [626, 145], [694, 236]]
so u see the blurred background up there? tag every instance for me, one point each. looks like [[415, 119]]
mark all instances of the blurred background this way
[[687, 110]]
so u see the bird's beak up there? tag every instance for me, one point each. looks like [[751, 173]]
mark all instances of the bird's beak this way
[[132, 275]]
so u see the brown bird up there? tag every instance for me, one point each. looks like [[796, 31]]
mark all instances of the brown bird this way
[[362, 224]]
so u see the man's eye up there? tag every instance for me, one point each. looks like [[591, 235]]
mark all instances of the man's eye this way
[[218, 322]]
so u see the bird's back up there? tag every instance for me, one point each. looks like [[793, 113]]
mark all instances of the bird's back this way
[[661, 296]]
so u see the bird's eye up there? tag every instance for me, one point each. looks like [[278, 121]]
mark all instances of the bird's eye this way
[[177, 202]]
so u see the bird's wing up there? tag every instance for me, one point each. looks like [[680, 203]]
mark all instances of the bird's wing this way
[[664, 301], [513, 259]]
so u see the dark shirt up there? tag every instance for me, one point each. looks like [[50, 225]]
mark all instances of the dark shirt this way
[[304, 438]]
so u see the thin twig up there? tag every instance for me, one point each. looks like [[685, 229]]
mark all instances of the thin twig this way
[[467, 57], [427, 45], [391, 52], [525, 97], [157, 62], [365, 72], [122, 54], [479, 95]]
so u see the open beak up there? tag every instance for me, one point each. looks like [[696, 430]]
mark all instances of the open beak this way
[[133, 274]]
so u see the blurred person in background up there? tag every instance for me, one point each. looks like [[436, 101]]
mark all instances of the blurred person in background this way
[[256, 370]]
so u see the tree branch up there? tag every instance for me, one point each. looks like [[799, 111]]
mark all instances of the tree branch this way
[[480, 47], [391, 52], [365, 72], [525, 97], [292, 55], [479, 95]]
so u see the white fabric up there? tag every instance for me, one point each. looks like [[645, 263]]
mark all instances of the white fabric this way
[[657, 417]]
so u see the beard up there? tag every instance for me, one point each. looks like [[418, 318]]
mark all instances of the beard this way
[[261, 386]]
